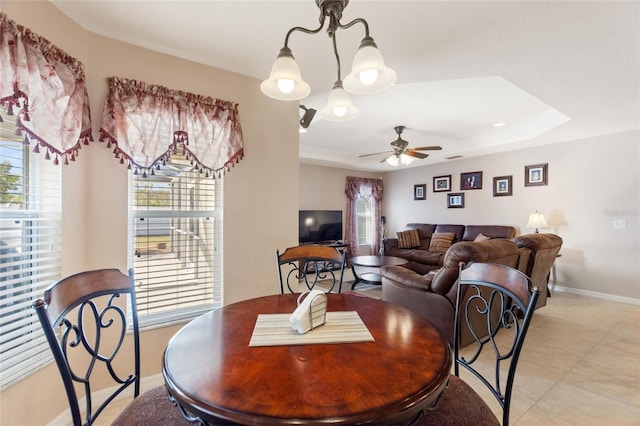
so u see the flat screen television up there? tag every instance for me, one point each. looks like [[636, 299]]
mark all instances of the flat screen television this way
[[320, 226]]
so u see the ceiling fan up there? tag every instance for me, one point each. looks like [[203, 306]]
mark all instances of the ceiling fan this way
[[401, 154]]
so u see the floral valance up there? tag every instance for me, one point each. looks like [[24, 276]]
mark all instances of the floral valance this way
[[147, 123], [46, 89]]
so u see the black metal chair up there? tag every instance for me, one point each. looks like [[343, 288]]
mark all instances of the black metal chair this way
[[313, 265], [84, 318], [502, 295]]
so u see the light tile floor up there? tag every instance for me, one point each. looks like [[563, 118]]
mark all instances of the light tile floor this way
[[580, 366]]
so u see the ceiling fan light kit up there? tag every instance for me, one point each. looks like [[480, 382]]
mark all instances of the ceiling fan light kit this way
[[402, 154], [369, 73]]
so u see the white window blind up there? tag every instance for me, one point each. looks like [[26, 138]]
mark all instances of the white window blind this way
[[175, 243], [363, 217], [30, 252]]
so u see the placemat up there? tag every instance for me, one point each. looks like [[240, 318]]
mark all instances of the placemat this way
[[339, 327]]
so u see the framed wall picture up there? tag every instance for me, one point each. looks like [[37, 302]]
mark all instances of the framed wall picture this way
[[472, 180], [442, 183], [455, 200], [420, 192], [535, 175], [502, 186]]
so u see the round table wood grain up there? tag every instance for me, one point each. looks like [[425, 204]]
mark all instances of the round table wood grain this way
[[211, 371]]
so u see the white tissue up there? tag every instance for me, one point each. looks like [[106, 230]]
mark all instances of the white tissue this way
[[311, 311]]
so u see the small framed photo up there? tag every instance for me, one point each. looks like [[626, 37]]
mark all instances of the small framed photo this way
[[535, 175], [442, 183], [472, 180], [502, 186], [420, 192], [455, 200]]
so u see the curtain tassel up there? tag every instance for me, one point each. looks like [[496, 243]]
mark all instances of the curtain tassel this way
[[66, 160], [47, 156], [36, 149], [26, 140], [56, 161], [144, 173]]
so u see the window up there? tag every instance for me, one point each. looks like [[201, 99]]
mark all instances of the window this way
[[363, 220], [30, 251], [175, 237]]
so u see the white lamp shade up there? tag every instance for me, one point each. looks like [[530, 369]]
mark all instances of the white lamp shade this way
[[285, 74], [393, 161], [369, 74], [537, 220], [339, 106]]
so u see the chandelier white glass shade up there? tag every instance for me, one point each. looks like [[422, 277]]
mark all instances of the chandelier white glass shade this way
[[369, 73], [339, 106], [285, 82]]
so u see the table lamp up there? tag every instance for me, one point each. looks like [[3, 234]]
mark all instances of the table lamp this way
[[537, 220]]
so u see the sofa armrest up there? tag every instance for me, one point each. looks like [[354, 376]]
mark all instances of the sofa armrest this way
[[406, 278], [388, 244]]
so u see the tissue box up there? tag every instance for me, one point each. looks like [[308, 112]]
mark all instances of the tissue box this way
[[311, 311]]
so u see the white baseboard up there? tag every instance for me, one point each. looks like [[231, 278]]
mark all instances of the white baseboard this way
[[589, 293], [146, 383]]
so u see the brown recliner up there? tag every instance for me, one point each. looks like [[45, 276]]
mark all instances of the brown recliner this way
[[433, 295], [544, 250]]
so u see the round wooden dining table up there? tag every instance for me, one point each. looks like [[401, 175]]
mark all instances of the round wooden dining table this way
[[211, 371]]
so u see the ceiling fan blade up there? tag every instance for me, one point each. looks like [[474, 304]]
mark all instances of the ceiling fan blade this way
[[419, 155], [385, 158], [375, 153], [427, 148]]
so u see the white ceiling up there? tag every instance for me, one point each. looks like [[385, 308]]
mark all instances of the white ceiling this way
[[552, 70]]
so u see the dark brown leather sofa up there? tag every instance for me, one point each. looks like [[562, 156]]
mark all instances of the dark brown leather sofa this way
[[421, 260], [433, 295]]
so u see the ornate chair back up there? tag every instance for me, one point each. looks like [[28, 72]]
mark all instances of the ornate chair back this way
[[502, 295], [84, 318], [311, 265]]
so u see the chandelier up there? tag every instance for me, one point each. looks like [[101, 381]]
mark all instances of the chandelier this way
[[369, 74]]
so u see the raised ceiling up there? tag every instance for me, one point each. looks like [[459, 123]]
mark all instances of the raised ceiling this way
[[552, 71]]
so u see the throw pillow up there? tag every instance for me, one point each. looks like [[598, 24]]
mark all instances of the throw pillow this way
[[481, 237], [441, 241], [408, 239]]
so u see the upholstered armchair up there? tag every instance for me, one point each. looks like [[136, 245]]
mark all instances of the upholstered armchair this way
[[433, 295], [544, 249]]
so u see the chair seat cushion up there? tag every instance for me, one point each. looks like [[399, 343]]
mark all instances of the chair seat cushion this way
[[460, 405], [151, 408]]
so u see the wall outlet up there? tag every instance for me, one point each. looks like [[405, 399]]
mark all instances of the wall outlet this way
[[619, 224]]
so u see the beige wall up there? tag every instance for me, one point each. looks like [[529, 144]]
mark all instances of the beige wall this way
[[592, 182], [258, 215]]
